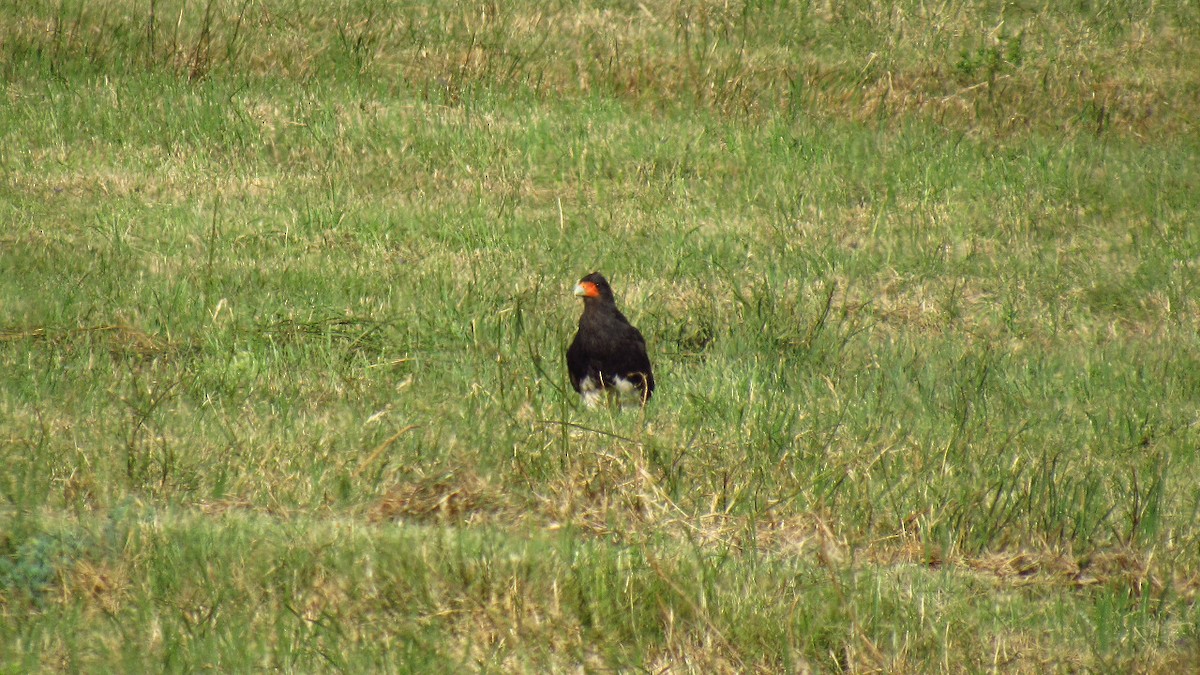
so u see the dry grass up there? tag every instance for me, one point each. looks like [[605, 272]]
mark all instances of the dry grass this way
[[285, 289], [120, 341], [966, 67], [615, 498]]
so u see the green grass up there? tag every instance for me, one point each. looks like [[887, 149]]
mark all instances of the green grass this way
[[285, 290]]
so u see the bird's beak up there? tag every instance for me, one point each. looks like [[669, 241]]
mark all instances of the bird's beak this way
[[586, 289], [580, 290]]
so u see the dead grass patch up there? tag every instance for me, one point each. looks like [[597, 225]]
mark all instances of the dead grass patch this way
[[120, 340], [615, 495], [104, 586], [1129, 568], [460, 496]]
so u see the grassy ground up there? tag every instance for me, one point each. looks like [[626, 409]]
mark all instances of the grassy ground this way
[[285, 289]]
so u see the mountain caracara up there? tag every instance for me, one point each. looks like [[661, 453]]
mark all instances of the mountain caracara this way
[[608, 355]]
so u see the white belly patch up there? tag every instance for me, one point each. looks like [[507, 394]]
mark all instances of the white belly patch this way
[[624, 391]]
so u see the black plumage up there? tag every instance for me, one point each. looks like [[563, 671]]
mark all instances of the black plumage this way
[[608, 355]]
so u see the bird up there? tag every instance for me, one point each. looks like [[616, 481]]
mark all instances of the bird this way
[[608, 356]]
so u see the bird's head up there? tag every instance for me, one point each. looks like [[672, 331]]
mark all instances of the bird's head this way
[[594, 287]]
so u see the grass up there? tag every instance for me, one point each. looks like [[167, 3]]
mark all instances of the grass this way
[[285, 289]]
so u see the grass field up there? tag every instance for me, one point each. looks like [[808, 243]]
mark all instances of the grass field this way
[[285, 289]]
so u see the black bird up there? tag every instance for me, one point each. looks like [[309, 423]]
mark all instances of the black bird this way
[[608, 355]]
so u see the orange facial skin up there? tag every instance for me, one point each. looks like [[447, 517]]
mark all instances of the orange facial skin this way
[[587, 289]]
